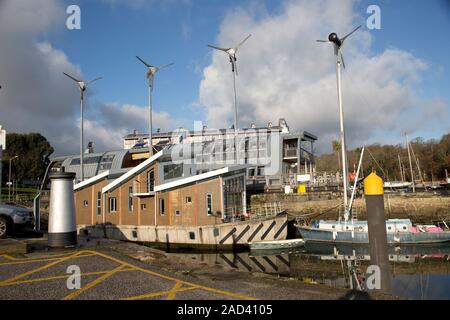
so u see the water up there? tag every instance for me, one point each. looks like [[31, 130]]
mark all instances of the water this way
[[418, 272]]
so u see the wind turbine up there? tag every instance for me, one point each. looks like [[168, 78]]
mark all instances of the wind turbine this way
[[337, 46], [233, 60], [150, 74], [82, 85]]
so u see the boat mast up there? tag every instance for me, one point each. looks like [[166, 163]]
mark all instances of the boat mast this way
[[342, 133], [418, 167], [401, 169], [410, 164]]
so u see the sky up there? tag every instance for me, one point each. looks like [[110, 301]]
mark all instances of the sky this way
[[397, 77]]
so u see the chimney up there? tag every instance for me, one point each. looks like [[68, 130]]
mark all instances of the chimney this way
[[253, 125], [270, 125], [90, 147], [158, 130]]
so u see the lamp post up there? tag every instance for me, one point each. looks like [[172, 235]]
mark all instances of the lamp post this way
[[9, 177]]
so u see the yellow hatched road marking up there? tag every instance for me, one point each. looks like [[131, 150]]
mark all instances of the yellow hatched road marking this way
[[41, 260], [41, 268], [178, 287], [58, 277], [222, 292], [173, 291], [7, 256], [94, 283], [161, 293]]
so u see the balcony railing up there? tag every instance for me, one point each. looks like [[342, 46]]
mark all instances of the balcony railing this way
[[240, 213]]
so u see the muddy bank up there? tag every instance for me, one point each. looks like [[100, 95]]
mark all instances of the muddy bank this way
[[419, 207]]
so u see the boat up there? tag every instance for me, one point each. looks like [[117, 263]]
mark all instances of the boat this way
[[276, 244], [397, 185], [398, 231]]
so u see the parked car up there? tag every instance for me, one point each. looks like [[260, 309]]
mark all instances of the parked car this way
[[13, 219]]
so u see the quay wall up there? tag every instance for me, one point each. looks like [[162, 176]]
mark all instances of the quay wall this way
[[421, 206], [226, 235]]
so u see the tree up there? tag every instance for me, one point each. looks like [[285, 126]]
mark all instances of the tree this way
[[432, 155], [33, 150], [336, 145]]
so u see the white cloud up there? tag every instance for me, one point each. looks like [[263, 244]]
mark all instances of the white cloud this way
[[118, 120], [285, 73], [37, 97]]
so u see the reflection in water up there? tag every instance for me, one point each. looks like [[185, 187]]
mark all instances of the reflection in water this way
[[418, 272]]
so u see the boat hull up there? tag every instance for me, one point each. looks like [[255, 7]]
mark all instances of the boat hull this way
[[355, 237], [276, 245]]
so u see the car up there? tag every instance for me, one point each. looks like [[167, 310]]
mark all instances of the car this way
[[14, 218]]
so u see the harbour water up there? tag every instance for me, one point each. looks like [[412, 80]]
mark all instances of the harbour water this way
[[418, 272]]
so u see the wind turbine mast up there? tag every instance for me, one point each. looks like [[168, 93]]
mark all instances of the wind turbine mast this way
[[337, 46], [231, 52], [150, 75], [82, 85]]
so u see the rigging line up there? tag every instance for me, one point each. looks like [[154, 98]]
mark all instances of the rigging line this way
[[379, 166]]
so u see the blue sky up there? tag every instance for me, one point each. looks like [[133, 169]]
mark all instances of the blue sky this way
[[114, 31], [112, 35]]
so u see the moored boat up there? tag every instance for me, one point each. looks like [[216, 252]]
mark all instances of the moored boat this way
[[276, 244], [399, 231]]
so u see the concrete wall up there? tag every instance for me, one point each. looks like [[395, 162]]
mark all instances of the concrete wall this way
[[419, 207], [220, 235]]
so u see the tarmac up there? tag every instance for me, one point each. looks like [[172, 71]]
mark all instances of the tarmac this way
[[115, 270]]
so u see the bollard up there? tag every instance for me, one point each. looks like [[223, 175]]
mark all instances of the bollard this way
[[62, 227], [378, 245]]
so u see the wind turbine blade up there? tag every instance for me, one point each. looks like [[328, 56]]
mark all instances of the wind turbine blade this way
[[96, 79], [217, 48], [74, 79], [323, 41], [164, 66], [145, 63], [241, 43], [341, 56], [348, 35]]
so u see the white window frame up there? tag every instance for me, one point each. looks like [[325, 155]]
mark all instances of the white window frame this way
[[112, 200], [130, 197], [209, 194], [162, 212]]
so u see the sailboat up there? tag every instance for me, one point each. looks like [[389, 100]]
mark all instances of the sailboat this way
[[347, 229]]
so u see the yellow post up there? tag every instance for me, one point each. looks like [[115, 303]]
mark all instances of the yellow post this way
[[301, 188], [378, 244]]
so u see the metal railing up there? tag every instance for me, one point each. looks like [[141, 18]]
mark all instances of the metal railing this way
[[270, 209]]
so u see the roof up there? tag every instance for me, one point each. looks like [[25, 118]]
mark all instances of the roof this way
[[94, 163], [108, 174], [199, 177], [132, 172], [90, 181]]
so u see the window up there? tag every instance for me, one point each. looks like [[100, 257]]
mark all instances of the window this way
[[86, 160], [99, 203], [112, 205], [106, 162], [130, 198], [172, 171], [209, 204], [143, 206], [85, 203], [150, 180], [177, 212], [161, 207], [188, 199]]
